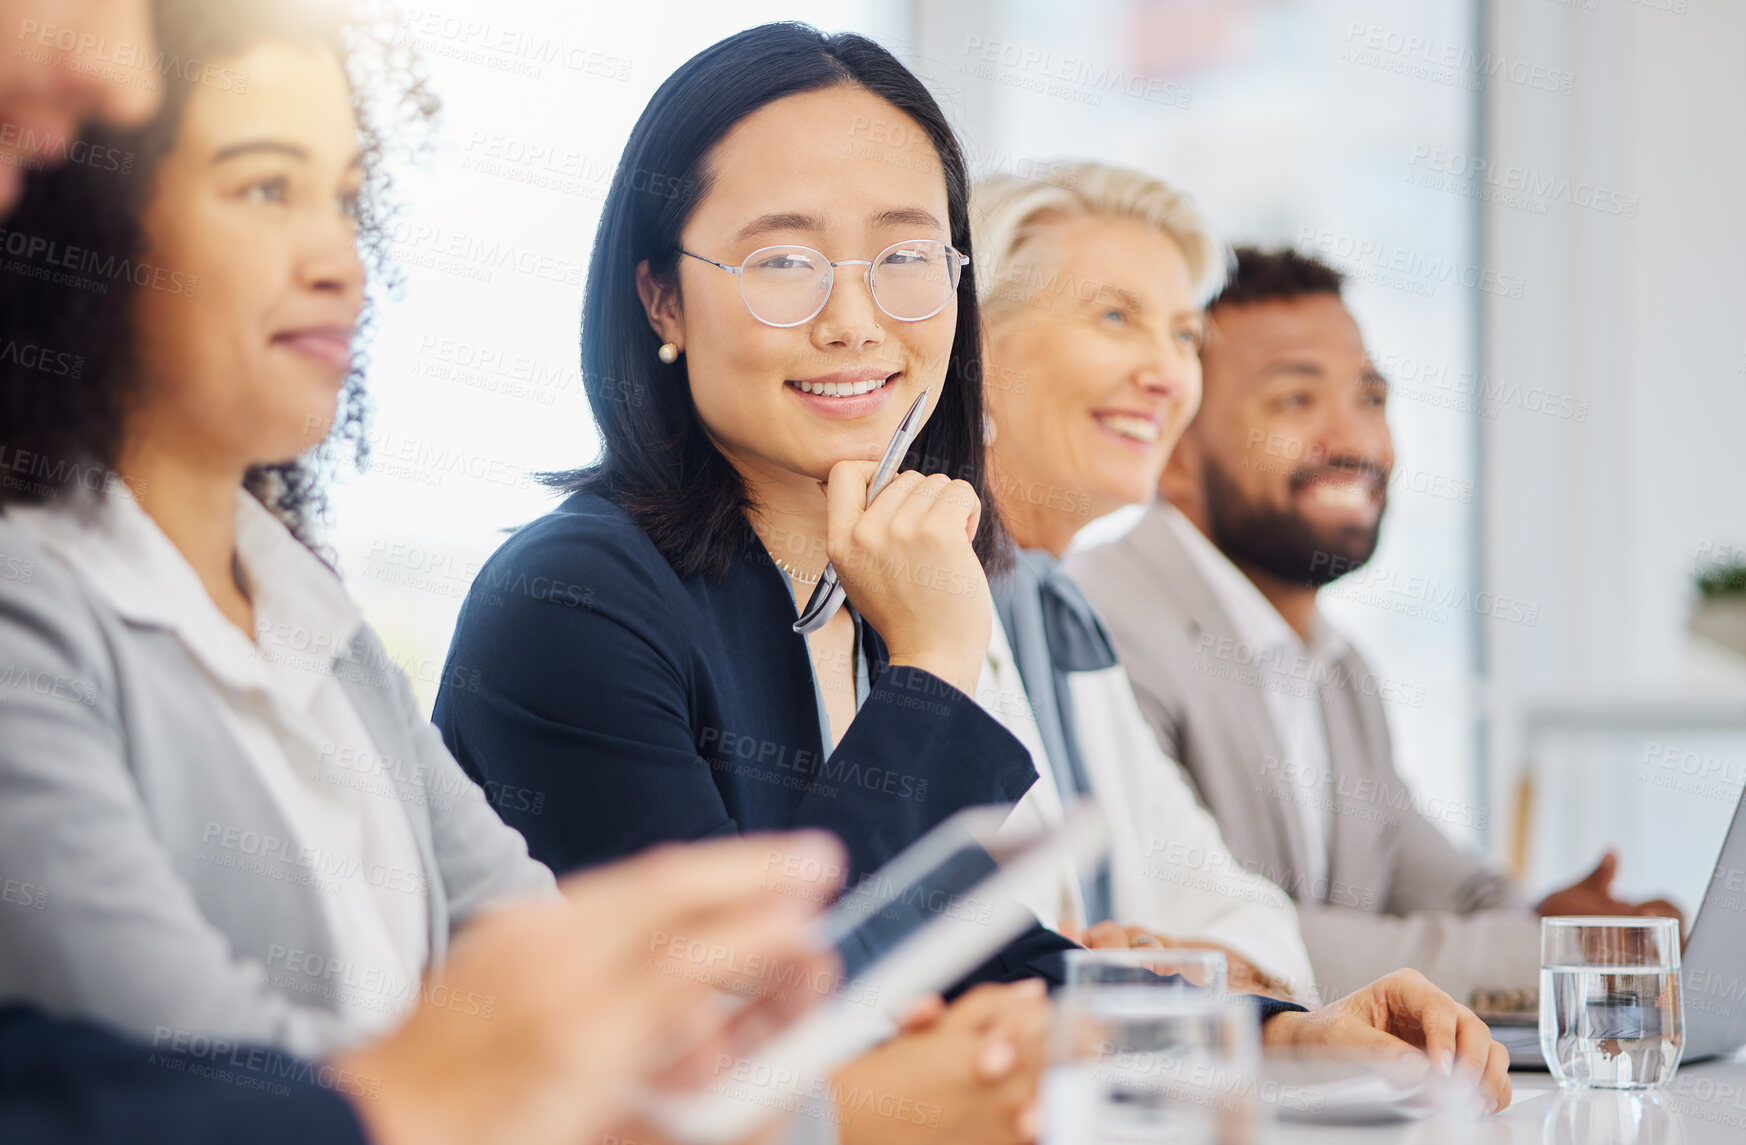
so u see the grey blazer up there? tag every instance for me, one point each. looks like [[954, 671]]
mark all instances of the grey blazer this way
[[1398, 893], [150, 880]]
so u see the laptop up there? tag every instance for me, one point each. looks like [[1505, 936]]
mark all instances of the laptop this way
[[1712, 966]]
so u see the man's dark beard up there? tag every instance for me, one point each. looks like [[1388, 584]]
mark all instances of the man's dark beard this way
[[1282, 544]]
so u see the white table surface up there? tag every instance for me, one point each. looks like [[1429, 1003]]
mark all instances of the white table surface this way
[[1703, 1105]]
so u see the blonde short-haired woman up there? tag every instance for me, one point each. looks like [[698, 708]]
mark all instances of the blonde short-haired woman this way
[[1096, 280]]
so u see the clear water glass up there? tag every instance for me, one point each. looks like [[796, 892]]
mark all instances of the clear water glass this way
[[1149, 1065], [1191, 967], [1611, 1015]]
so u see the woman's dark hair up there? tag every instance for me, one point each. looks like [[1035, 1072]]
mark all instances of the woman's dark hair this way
[[73, 251], [656, 460]]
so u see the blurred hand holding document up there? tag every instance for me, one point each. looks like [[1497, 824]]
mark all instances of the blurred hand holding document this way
[[916, 926]]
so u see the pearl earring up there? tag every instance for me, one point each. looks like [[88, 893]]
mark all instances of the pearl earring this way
[[668, 353]]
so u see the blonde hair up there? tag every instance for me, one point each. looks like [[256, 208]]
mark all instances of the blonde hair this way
[[1007, 212]]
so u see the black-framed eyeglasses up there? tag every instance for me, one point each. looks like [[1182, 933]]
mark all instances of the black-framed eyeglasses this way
[[788, 285]]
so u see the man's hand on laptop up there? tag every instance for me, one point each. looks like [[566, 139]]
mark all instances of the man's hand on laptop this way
[[1593, 894]]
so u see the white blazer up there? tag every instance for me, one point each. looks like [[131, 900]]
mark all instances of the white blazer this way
[[1169, 868]]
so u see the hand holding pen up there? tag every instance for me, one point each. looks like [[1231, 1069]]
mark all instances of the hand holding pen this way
[[905, 559], [827, 595]]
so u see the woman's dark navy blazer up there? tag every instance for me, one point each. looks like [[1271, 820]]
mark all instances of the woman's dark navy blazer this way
[[606, 704]]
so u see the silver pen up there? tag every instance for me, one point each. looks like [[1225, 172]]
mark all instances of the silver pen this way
[[827, 596]]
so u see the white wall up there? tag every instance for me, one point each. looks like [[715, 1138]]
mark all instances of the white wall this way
[[1640, 319]]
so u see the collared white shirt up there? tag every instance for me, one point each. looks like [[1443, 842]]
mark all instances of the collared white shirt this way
[[278, 695], [1290, 674], [1169, 867]]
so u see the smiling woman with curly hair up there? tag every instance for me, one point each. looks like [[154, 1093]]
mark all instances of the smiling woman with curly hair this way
[[85, 295], [247, 828]]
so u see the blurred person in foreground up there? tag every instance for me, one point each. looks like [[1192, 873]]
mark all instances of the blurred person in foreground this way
[[49, 90], [1276, 490]]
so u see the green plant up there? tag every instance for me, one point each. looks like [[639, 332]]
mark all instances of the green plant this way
[[1725, 578]]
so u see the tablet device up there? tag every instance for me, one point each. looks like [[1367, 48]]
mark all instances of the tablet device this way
[[916, 926]]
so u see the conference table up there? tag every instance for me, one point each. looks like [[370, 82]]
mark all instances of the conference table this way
[[1704, 1104]]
